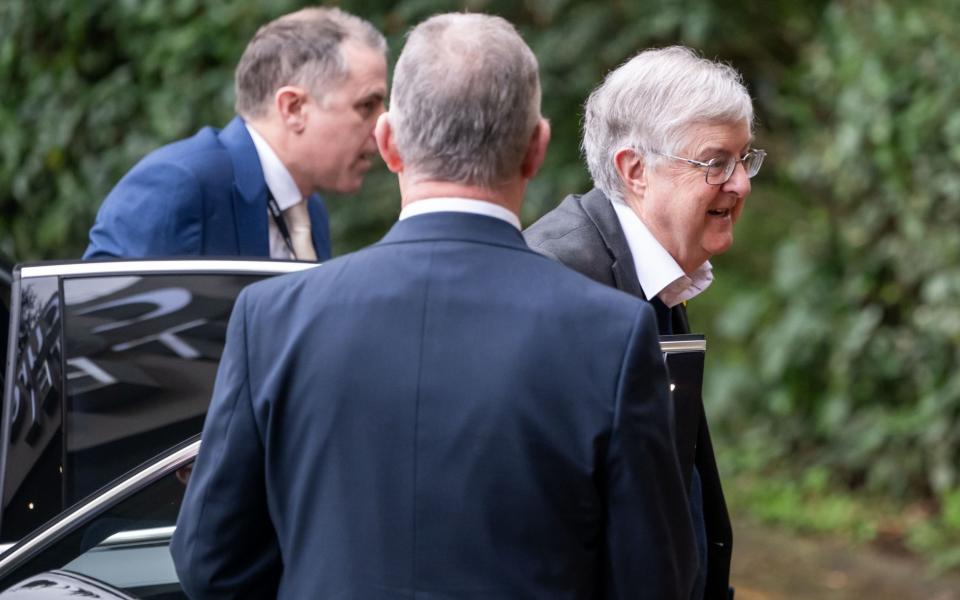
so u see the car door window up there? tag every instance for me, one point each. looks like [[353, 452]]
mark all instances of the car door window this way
[[111, 363], [141, 356], [126, 547]]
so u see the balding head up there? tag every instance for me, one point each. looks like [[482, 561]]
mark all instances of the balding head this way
[[465, 100]]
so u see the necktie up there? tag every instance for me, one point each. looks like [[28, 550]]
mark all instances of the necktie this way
[[298, 221]]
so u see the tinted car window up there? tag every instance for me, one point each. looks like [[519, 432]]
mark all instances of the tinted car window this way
[[141, 358], [108, 371]]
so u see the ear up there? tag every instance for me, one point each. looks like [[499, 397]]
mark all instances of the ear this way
[[383, 133], [536, 150], [632, 170], [290, 102]]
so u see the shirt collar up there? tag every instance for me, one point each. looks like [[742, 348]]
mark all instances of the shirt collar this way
[[463, 205], [658, 273], [278, 178]]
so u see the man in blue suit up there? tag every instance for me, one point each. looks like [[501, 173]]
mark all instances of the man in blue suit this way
[[309, 88], [446, 414]]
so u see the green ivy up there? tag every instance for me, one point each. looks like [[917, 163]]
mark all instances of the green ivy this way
[[849, 354]]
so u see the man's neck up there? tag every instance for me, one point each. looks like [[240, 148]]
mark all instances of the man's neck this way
[[509, 196], [688, 264], [275, 136]]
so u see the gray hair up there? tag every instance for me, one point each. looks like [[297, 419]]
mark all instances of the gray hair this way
[[465, 99], [302, 48], [651, 101]]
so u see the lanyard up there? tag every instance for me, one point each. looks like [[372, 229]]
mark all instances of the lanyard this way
[[281, 223]]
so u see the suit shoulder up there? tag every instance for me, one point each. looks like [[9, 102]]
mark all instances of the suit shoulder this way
[[199, 156], [273, 289], [281, 290], [568, 235], [591, 314], [566, 219], [179, 174], [564, 231], [581, 282]]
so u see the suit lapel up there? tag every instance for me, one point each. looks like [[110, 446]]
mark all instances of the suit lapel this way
[[319, 227], [598, 208], [249, 190]]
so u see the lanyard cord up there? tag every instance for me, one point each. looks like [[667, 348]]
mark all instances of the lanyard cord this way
[[281, 223]]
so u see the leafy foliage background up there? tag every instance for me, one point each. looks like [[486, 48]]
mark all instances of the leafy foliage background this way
[[834, 323]]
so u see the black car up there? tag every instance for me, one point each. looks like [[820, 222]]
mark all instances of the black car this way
[[110, 363]]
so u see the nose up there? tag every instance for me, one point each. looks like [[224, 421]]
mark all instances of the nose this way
[[738, 183], [370, 144]]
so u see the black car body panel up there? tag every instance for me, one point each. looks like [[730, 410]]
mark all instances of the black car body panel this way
[[6, 283]]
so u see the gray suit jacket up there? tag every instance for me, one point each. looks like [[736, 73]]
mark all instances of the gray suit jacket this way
[[584, 233]]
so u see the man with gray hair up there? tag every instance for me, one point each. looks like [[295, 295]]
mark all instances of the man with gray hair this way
[[309, 88], [446, 414], [667, 138]]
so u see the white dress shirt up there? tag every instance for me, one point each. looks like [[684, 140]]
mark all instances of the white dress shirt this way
[[464, 205], [658, 272], [281, 185]]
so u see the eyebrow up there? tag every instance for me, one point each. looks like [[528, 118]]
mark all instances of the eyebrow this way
[[712, 151], [377, 96], [721, 150]]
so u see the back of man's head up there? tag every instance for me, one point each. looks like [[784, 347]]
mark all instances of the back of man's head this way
[[465, 100], [302, 48]]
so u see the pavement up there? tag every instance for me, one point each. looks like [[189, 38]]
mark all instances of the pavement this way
[[770, 564]]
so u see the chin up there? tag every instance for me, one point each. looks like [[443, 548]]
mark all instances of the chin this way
[[348, 188], [717, 244], [719, 248]]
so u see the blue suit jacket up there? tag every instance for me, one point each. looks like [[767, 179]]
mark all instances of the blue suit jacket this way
[[204, 195], [446, 414]]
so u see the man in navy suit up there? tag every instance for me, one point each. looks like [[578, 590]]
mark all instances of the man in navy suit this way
[[446, 414], [309, 88]]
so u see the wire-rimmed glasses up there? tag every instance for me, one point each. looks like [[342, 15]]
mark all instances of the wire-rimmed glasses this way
[[720, 170]]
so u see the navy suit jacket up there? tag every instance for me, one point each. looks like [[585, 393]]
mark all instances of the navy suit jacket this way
[[202, 196], [445, 414], [584, 233]]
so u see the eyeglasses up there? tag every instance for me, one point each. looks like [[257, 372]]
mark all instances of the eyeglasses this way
[[720, 170]]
